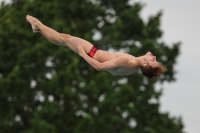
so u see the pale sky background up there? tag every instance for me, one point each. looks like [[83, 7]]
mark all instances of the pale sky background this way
[[181, 22]]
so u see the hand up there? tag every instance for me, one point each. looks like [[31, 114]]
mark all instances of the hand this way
[[81, 50]]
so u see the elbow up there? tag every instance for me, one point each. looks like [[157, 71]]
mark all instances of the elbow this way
[[98, 68]]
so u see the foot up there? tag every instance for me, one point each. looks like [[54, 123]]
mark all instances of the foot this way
[[34, 23]]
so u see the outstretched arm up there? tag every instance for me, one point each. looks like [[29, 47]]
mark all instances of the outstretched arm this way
[[115, 63]]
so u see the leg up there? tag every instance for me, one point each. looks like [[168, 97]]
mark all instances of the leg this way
[[56, 37]]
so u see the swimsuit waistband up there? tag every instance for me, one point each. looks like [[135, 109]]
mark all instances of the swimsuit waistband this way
[[92, 51]]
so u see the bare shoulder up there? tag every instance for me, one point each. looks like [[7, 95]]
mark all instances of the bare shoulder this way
[[133, 62], [124, 58], [127, 60]]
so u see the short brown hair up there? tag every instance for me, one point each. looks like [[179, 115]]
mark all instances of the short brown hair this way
[[153, 73]]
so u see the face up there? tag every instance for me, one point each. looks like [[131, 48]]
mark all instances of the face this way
[[151, 59]]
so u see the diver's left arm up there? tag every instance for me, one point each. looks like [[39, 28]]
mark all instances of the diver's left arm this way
[[115, 63]]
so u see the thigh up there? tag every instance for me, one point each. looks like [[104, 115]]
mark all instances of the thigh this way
[[72, 42]]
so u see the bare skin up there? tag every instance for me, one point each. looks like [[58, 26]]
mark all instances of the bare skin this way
[[117, 63]]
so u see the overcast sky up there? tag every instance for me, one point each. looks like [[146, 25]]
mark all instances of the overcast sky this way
[[181, 22]]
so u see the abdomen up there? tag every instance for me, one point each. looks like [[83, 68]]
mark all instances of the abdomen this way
[[103, 56]]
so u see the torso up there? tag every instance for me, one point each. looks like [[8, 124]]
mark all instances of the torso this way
[[103, 56]]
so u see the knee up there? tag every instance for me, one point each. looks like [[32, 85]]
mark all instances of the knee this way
[[65, 36]]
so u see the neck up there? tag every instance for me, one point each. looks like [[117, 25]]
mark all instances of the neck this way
[[140, 60]]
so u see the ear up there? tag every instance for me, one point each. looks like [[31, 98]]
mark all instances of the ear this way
[[144, 64]]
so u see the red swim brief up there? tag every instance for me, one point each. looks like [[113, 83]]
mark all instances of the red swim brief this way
[[92, 51]]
